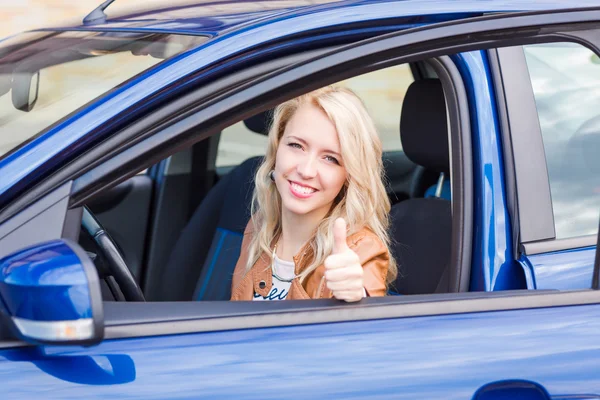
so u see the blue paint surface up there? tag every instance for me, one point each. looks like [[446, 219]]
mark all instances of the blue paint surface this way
[[564, 270], [213, 260], [443, 357], [51, 275], [493, 267]]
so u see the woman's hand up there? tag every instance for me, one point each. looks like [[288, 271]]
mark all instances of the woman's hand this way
[[343, 274]]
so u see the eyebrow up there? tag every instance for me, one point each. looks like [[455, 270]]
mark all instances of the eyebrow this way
[[305, 143]]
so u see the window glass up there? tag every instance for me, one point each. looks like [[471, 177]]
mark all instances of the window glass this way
[[46, 76], [382, 92], [566, 85]]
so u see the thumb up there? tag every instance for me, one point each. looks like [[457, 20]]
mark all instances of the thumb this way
[[339, 236]]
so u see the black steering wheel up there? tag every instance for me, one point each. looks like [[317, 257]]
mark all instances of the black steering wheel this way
[[117, 268]]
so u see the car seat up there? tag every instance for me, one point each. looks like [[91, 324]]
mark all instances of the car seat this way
[[421, 228]]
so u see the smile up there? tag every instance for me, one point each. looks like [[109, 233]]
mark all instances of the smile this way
[[301, 191]]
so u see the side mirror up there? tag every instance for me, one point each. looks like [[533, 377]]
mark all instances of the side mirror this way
[[51, 294], [25, 89]]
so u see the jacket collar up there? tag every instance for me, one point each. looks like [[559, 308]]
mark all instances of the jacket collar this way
[[262, 273]]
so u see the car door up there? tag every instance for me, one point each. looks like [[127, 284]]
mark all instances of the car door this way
[[432, 348], [551, 131], [481, 345]]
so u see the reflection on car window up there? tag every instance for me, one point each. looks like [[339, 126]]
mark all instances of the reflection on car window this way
[[566, 85], [382, 92], [46, 76]]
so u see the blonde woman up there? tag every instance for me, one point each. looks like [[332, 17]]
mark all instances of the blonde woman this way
[[319, 210]]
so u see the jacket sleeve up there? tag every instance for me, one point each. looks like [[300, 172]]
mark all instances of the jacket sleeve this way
[[240, 267], [375, 260]]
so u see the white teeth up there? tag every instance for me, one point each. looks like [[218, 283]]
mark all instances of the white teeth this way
[[302, 189]]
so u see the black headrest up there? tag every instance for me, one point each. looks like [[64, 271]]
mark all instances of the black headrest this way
[[423, 125], [260, 123]]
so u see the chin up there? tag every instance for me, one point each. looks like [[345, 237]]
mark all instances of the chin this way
[[301, 209]]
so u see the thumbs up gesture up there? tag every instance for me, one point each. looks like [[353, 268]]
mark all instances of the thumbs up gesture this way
[[344, 274]]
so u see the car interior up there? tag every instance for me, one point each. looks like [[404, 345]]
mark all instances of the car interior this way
[[178, 225]]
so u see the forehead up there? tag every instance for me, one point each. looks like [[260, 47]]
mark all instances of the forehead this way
[[311, 124]]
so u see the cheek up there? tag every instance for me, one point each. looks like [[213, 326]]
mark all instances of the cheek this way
[[280, 159], [285, 160], [335, 179]]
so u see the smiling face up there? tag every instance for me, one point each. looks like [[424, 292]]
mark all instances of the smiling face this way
[[309, 173]]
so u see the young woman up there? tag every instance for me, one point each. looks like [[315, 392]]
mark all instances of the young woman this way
[[319, 210]]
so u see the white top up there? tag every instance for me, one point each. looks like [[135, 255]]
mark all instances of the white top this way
[[281, 287]]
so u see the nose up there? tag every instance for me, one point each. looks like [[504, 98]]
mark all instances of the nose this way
[[307, 167]]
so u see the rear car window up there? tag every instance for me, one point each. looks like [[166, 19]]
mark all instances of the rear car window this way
[[46, 76], [566, 86]]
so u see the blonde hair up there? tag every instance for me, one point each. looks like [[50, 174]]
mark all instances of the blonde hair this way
[[363, 203]]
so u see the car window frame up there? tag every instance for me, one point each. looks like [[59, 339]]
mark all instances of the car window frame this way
[[422, 45], [459, 117]]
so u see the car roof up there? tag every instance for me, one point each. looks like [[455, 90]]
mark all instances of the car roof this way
[[214, 17]]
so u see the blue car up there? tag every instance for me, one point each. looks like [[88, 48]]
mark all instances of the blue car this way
[[128, 145]]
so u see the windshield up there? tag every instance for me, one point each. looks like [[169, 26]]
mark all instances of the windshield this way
[[44, 76]]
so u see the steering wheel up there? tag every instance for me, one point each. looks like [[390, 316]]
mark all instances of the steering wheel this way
[[117, 268]]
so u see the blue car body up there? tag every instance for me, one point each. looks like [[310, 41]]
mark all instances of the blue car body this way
[[502, 348]]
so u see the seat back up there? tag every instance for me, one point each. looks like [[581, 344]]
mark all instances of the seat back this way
[[201, 264], [214, 282], [421, 228]]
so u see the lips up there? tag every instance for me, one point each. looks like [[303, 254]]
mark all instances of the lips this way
[[301, 191]]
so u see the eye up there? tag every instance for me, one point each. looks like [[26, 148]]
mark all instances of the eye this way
[[332, 159], [295, 145]]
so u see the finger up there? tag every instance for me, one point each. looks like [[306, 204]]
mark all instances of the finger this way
[[339, 236], [341, 274], [348, 295], [349, 284], [342, 260]]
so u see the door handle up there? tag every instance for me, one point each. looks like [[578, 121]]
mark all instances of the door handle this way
[[514, 389]]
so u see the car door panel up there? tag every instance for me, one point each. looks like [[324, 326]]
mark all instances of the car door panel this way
[[562, 270], [449, 357]]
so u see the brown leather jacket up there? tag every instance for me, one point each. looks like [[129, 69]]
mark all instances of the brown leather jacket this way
[[373, 255]]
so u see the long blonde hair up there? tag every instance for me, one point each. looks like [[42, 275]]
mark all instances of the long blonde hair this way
[[363, 203]]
